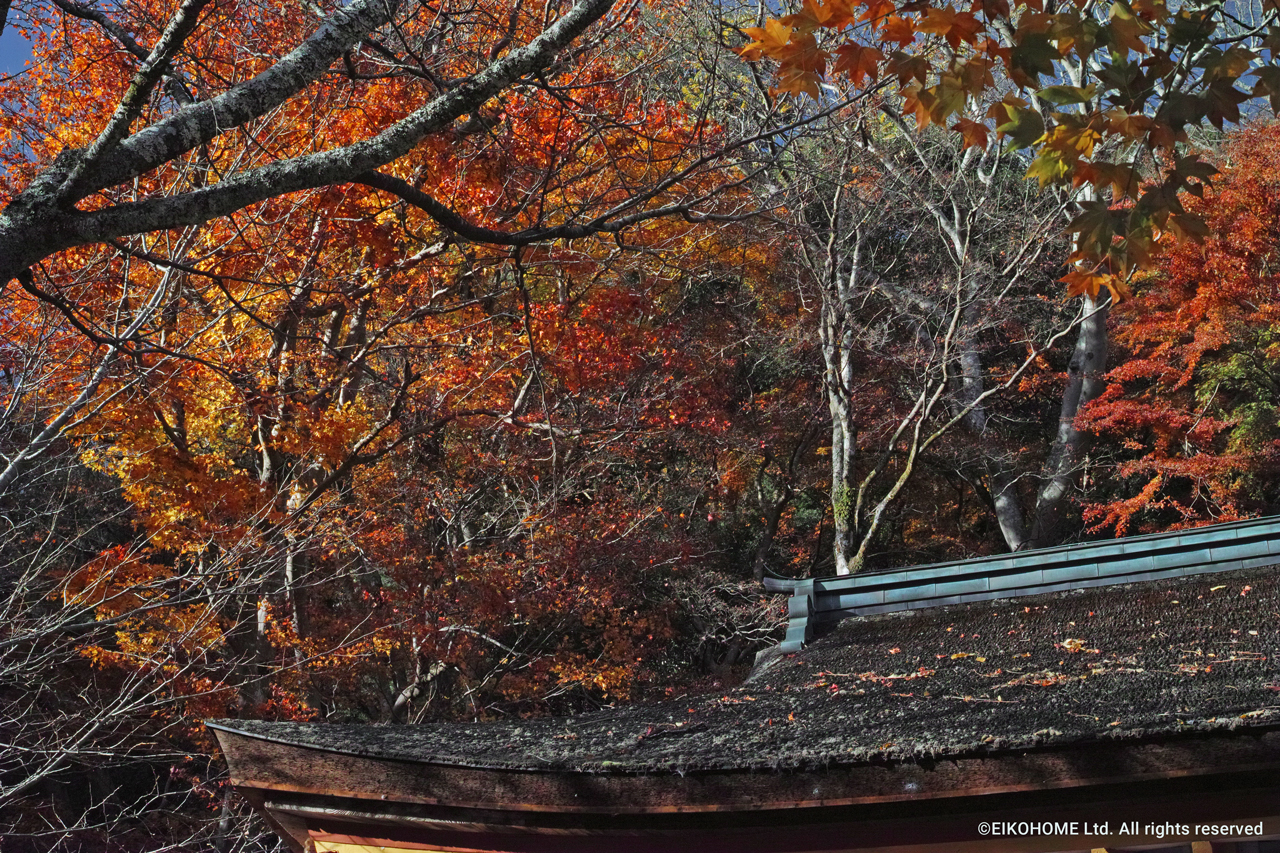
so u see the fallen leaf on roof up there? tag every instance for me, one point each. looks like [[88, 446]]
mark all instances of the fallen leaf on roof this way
[[667, 730], [1044, 678], [1101, 669]]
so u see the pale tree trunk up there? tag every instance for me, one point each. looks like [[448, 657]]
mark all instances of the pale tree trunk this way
[[1085, 381], [844, 435], [837, 351], [1000, 475], [1006, 504]]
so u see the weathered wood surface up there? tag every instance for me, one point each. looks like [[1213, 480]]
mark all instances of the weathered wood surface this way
[[276, 768]]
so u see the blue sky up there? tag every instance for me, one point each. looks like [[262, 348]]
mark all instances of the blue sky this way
[[14, 51]]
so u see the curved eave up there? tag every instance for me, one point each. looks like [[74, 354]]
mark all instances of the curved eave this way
[[274, 767]]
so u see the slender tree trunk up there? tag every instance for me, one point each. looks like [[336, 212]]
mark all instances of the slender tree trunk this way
[[999, 473], [1007, 504], [222, 839], [260, 651], [844, 437], [772, 507], [1084, 383], [291, 591]]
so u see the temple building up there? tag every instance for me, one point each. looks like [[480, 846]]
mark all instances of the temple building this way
[[1119, 696]]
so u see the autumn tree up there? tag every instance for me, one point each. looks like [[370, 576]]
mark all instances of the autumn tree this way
[[388, 347], [1101, 96], [1189, 420], [928, 255], [931, 263], [159, 119], [86, 742]]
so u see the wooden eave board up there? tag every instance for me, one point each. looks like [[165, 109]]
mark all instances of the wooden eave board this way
[[275, 768], [824, 832], [905, 806]]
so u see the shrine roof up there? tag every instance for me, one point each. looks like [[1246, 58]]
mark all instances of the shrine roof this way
[[1136, 663]]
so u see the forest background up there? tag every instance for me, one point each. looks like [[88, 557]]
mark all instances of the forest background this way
[[400, 362]]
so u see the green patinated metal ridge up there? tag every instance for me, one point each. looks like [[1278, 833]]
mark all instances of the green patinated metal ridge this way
[[1218, 548]]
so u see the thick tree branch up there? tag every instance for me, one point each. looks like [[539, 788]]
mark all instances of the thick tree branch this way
[[143, 84], [190, 127], [35, 226], [201, 122], [176, 86], [119, 33]]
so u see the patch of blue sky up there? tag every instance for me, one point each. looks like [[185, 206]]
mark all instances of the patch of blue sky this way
[[15, 51]]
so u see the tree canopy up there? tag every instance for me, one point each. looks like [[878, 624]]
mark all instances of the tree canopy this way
[[1102, 95], [389, 362]]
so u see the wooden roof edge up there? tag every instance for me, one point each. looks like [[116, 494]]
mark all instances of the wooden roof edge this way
[[272, 767], [320, 809], [913, 834], [935, 825]]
